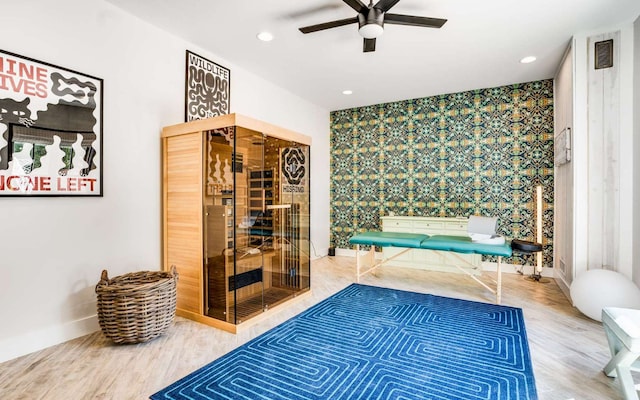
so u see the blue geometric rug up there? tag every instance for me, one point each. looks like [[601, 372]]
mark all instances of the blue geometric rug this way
[[368, 342]]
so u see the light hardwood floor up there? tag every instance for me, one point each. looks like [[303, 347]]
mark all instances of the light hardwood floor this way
[[568, 350]]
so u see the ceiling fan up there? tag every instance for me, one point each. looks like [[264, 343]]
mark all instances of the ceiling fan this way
[[371, 20]]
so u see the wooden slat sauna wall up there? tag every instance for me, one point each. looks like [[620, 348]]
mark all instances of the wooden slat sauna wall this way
[[182, 192]]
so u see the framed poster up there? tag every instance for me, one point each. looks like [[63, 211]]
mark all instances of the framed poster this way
[[207, 88], [50, 129]]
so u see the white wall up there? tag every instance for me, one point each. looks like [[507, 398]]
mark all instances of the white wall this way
[[580, 155], [563, 178], [636, 148], [53, 249], [628, 209]]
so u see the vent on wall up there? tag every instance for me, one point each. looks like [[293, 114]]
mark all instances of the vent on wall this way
[[604, 54]]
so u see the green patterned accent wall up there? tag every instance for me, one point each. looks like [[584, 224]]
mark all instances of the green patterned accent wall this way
[[480, 152]]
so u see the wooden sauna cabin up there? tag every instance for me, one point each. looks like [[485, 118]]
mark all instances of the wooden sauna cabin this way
[[235, 218]]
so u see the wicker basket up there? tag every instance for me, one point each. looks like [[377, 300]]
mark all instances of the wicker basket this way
[[138, 306]]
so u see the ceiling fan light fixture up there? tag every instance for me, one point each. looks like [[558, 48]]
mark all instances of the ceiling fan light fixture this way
[[370, 31]]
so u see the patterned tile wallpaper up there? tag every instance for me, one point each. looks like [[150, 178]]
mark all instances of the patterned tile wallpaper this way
[[480, 152]]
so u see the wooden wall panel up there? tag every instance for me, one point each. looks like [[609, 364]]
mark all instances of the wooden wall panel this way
[[604, 158], [182, 192]]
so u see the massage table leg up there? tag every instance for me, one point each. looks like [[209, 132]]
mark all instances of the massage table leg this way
[[497, 291], [371, 261], [357, 263], [370, 256], [499, 283]]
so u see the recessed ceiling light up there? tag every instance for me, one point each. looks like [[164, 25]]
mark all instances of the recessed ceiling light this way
[[265, 36], [347, 92], [528, 60]]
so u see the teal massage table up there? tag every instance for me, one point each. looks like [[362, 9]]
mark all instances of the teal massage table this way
[[410, 241]]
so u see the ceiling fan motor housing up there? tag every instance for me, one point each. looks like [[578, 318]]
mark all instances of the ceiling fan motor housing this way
[[371, 23]]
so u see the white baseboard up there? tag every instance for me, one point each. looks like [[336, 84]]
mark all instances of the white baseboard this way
[[564, 286], [486, 266], [27, 343]]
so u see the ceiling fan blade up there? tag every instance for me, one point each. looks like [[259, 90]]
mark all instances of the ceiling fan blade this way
[[356, 5], [385, 5], [327, 25], [412, 20], [369, 45]]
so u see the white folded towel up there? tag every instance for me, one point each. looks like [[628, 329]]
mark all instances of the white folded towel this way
[[496, 239], [479, 236]]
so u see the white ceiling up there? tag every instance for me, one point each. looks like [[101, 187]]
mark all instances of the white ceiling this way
[[480, 46]]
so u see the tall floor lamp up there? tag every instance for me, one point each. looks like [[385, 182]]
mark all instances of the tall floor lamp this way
[[537, 269]]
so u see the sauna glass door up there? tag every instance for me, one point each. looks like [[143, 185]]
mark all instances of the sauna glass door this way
[[252, 262], [256, 201], [220, 197], [289, 211]]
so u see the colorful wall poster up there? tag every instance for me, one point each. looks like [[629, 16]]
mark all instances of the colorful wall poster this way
[[50, 129]]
